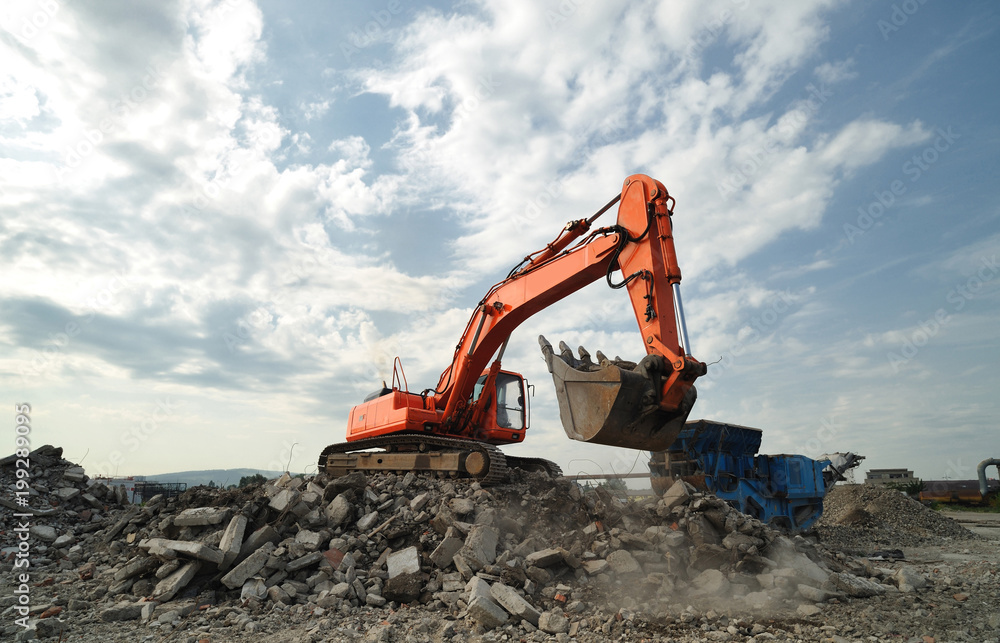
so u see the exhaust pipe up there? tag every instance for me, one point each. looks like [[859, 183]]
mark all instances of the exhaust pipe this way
[[983, 487]]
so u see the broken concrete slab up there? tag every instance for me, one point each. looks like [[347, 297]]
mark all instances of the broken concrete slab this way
[[232, 541], [201, 516], [253, 564], [404, 588], [256, 540], [711, 582], [67, 493], [74, 474], [167, 588], [487, 613], [311, 558], [444, 553], [338, 510], [553, 623], [544, 558], [622, 562], [284, 499], [908, 579], [514, 603], [480, 547], [854, 586], [44, 533], [158, 546], [136, 567], [676, 495], [122, 612], [594, 567], [367, 521], [404, 561], [478, 587]]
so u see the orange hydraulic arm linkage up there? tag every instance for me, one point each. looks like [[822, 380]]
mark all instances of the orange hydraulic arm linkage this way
[[640, 245]]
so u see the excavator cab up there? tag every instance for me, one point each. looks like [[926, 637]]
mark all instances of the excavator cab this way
[[506, 418]]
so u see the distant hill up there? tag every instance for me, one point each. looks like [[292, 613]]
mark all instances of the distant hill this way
[[221, 477]]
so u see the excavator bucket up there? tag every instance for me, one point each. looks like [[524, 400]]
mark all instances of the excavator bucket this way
[[613, 402]]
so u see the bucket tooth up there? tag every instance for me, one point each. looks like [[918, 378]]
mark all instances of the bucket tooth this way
[[616, 403]]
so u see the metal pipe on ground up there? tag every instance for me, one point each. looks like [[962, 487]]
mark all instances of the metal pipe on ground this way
[[990, 462]]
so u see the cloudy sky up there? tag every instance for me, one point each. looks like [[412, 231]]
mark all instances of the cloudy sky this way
[[220, 221]]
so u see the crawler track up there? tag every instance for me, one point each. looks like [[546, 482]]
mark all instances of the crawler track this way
[[494, 471]]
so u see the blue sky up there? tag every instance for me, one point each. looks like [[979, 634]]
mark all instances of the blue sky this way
[[221, 221]]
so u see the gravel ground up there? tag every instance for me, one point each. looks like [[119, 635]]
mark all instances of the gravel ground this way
[[618, 571]]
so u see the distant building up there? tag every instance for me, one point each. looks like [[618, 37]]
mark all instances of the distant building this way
[[129, 482], [883, 477]]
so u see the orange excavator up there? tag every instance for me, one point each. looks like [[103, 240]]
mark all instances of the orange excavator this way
[[456, 427]]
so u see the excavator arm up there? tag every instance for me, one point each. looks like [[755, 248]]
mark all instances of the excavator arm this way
[[640, 408]]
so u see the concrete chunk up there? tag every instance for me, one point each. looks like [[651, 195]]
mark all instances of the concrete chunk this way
[[553, 623], [622, 562], [67, 493], [487, 613], [514, 603], [338, 510], [74, 474], [285, 499], [199, 551], [201, 516], [419, 502], [404, 561], [136, 567], [258, 539], [444, 553], [232, 541], [43, 532], [405, 587], [305, 561], [367, 521], [253, 564], [122, 612], [908, 579], [478, 587], [676, 495], [169, 586], [480, 547], [711, 582], [544, 558], [854, 586]]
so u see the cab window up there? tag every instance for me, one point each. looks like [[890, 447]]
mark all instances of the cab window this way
[[510, 402]]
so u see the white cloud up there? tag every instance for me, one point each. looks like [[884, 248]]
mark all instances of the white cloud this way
[[836, 71]]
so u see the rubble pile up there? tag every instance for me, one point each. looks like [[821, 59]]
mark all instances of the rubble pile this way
[[393, 557], [863, 518], [59, 495]]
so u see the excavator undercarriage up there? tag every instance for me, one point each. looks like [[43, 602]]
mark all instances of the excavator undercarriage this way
[[452, 457]]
